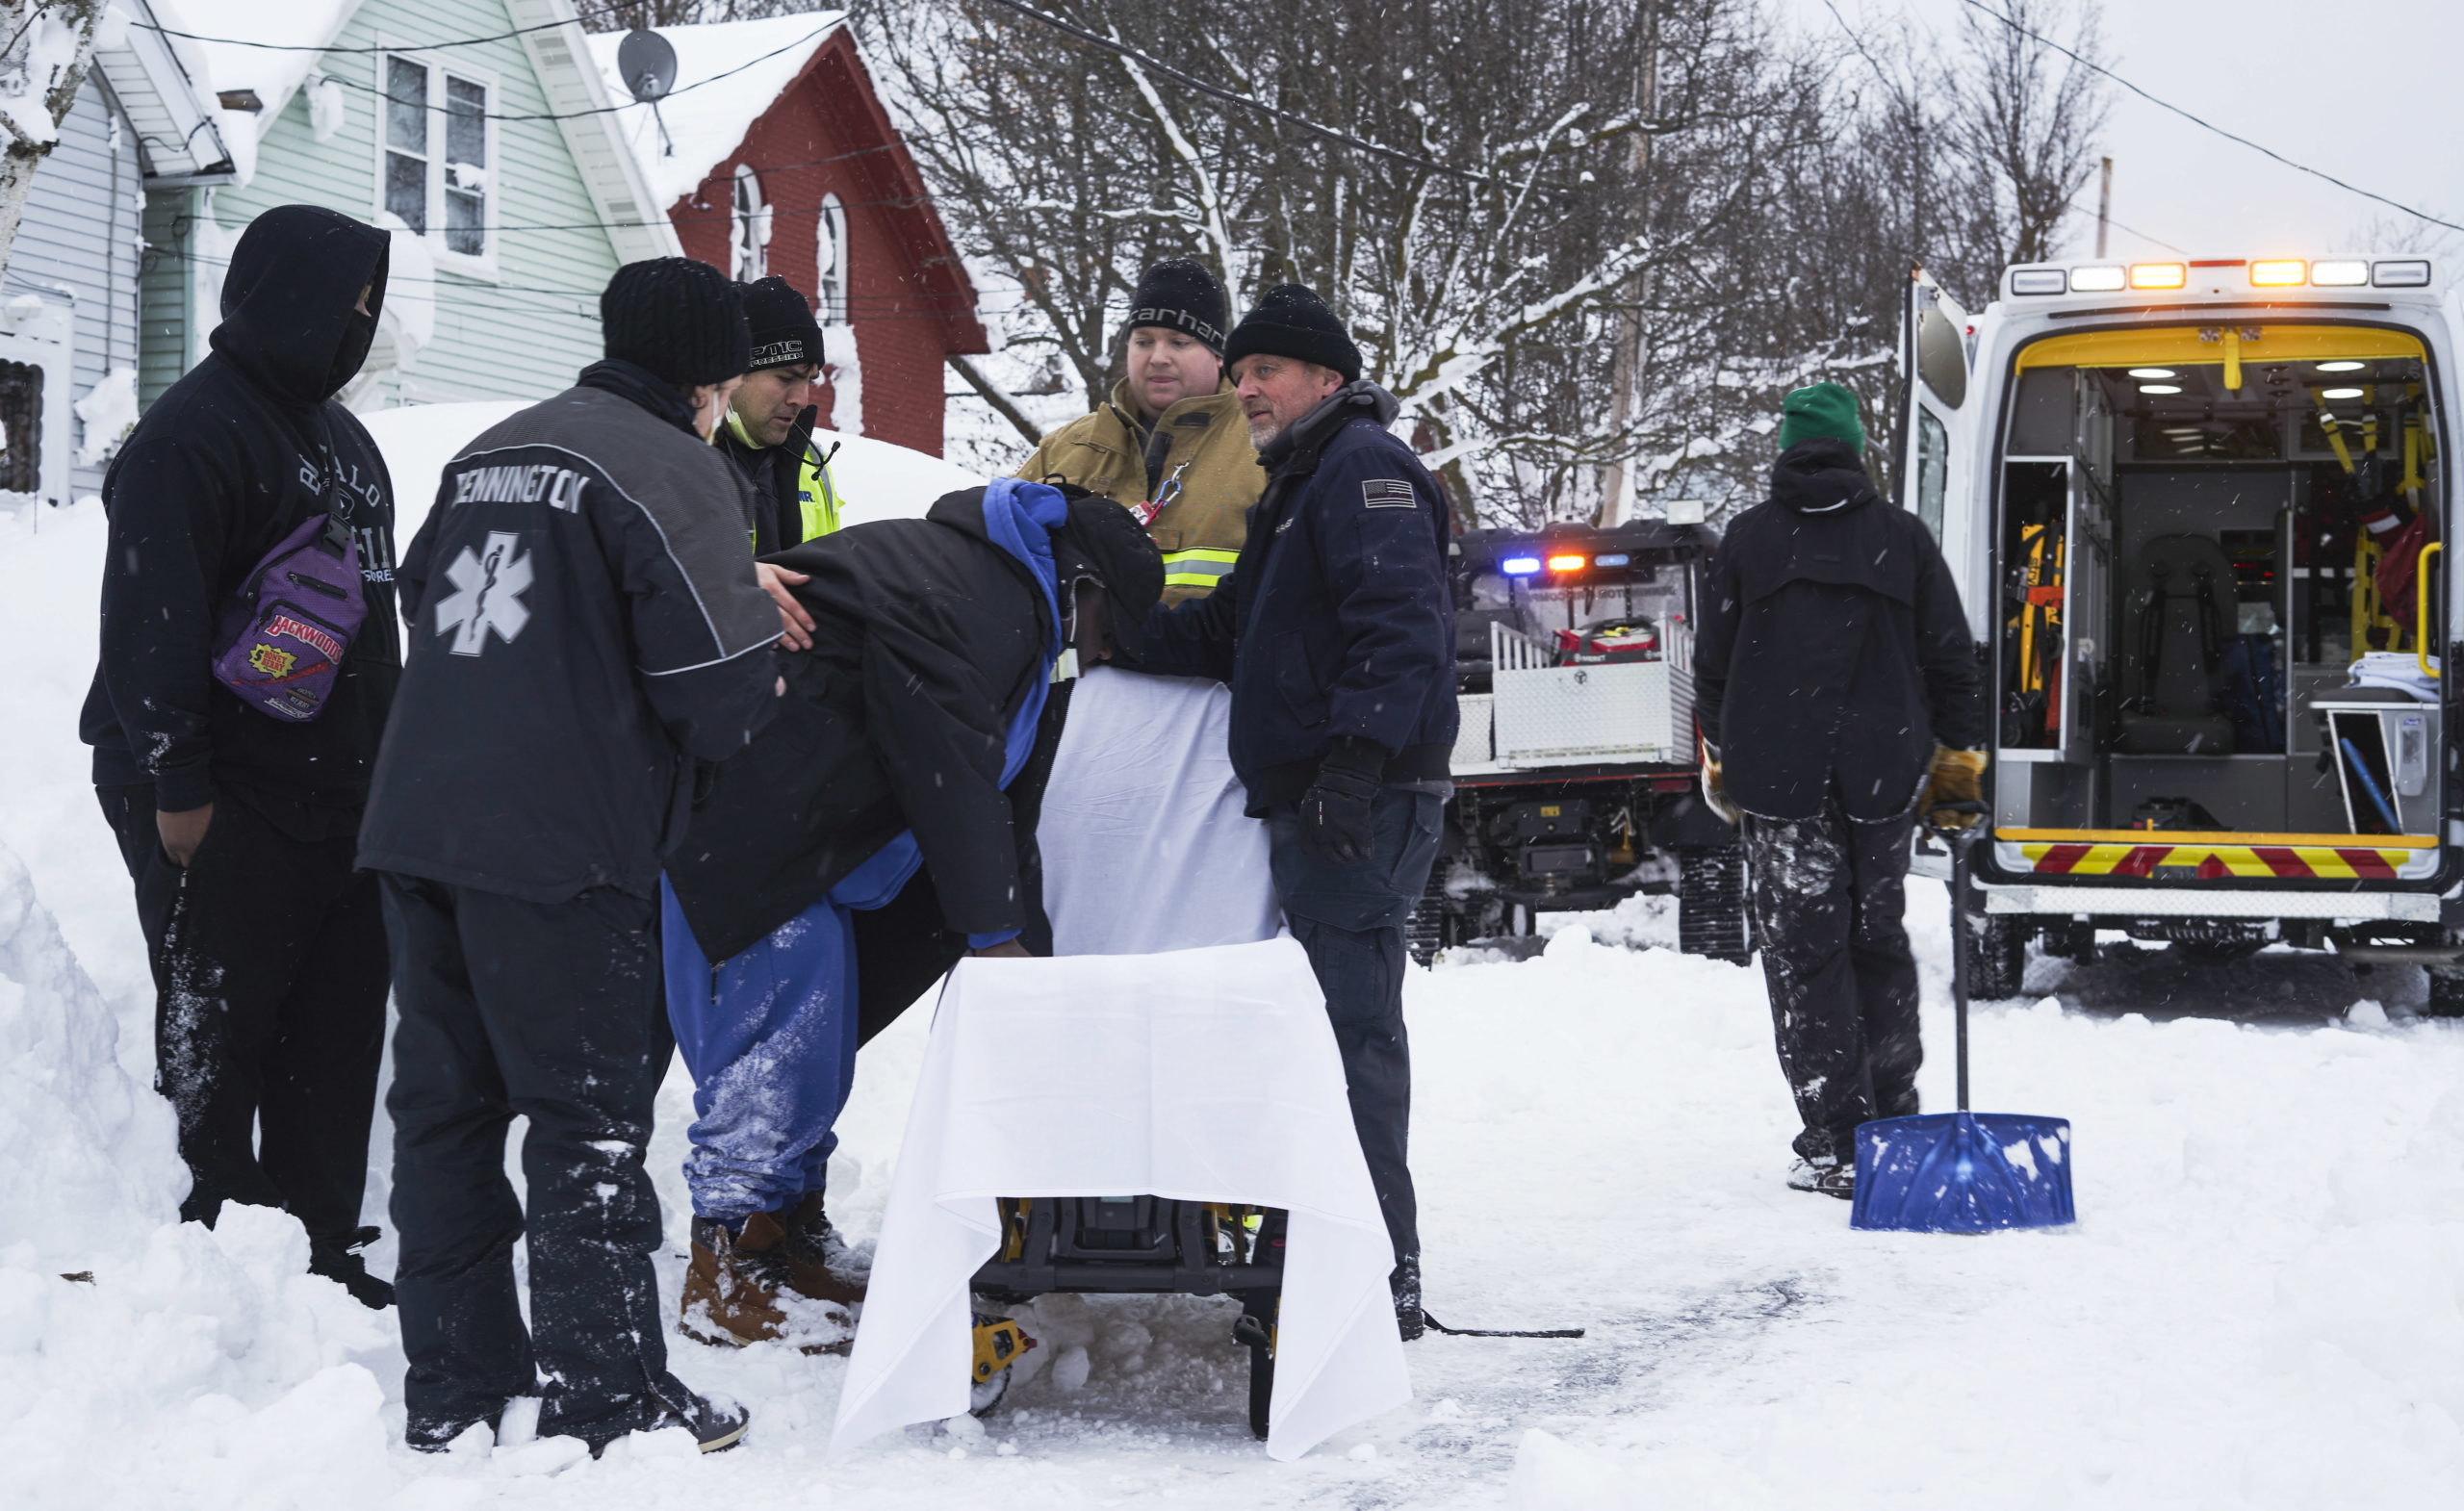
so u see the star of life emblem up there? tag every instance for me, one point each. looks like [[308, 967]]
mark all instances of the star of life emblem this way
[[488, 595]]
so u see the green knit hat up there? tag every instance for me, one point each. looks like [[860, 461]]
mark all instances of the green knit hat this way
[[1823, 412]]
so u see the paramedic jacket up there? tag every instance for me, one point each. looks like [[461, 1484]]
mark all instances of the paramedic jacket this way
[[1337, 619], [584, 623], [1832, 652]]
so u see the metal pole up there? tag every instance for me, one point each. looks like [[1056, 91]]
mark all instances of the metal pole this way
[[2104, 206]]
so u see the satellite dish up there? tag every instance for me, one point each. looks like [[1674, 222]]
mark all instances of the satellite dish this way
[[647, 63]]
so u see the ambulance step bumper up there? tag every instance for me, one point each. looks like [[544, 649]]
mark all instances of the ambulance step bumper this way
[[2130, 902]]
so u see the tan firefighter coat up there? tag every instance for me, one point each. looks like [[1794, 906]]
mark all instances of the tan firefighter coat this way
[[1205, 443]]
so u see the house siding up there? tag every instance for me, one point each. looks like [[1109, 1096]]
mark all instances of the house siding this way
[[521, 335], [80, 232], [899, 321]]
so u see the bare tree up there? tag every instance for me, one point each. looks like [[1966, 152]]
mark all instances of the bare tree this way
[[49, 45]]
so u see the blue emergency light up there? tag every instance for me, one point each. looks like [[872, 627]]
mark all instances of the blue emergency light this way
[[1611, 561], [1519, 566]]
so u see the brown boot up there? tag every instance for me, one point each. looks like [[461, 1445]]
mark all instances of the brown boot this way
[[816, 1257], [731, 1286]]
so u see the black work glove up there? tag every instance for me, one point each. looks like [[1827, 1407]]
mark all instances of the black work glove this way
[[1334, 812]]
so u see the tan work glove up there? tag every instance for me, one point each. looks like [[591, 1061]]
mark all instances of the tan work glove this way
[[1714, 791], [1954, 778]]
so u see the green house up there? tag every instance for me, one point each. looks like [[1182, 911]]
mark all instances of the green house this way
[[476, 131]]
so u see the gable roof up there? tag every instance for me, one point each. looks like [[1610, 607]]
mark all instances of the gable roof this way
[[558, 59], [706, 127], [159, 82], [727, 75]]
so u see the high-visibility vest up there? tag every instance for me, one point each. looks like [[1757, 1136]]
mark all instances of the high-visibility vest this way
[[817, 498]]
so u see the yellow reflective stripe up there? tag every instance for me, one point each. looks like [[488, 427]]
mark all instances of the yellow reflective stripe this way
[[818, 501], [1198, 569], [1227, 557]]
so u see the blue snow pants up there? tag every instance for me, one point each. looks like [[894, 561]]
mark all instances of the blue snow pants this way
[[769, 1035]]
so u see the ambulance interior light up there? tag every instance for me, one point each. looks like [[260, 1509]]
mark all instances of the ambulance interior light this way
[[1519, 566], [2340, 393], [2342, 367]]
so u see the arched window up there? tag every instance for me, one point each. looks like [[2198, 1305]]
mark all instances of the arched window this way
[[830, 274], [748, 255]]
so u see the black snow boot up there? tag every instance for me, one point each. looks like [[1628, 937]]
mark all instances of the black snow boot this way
[[1405, 1283], [339, 1259], [716, 1427], [1834, 1177]]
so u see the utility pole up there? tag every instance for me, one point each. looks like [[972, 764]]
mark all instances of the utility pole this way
[[2104, 206], [1616, 479]]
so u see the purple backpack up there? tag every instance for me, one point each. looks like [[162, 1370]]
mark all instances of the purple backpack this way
[[281, 642]]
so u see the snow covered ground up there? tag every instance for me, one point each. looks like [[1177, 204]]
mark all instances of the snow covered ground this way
[[2261, 1306]]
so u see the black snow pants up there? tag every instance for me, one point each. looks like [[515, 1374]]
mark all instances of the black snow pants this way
[[1828, 897], [551, 1012], [1349, 917], [270, 976]]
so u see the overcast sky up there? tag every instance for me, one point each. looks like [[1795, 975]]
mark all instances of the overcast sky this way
[[2370, 91]]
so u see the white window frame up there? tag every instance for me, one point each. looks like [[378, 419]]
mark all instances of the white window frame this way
[[831, 284], [749, 227], [484, 265]]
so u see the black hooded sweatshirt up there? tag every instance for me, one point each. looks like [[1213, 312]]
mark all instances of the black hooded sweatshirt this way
[[233, 457], [1832, 654]]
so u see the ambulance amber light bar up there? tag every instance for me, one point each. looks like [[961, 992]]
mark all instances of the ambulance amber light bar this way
[[2159, 275], [1567, 563], [2283, 273]]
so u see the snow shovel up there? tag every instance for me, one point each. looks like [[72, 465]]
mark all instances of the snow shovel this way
[[1962, 1172]]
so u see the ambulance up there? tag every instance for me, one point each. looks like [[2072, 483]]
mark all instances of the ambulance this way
[[2197, 514]]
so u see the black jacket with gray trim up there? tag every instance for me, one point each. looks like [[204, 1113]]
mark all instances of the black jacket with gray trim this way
[[584, 623]]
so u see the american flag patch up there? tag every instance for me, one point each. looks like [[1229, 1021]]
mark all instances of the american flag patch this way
[[1387, 493]]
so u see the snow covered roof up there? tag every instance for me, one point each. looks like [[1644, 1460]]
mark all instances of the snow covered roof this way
[[757, 59], [289, 24]]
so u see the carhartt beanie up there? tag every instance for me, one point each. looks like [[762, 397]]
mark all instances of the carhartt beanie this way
[[678, 318], [784, 333], [1291, 321], [1824, 411], [1180, 294]]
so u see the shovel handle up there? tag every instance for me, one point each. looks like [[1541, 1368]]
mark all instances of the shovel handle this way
[[1962, 842]]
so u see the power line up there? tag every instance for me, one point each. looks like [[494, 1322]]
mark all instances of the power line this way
[[576, 114], [1235, 97], [459, 41], [2202, 121]]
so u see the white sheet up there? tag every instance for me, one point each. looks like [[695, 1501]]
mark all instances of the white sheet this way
[[1144, 844], [1201, 1075], [1178, 1048]]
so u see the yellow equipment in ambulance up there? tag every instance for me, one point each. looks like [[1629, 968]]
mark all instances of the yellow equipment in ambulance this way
[[2198, 513]]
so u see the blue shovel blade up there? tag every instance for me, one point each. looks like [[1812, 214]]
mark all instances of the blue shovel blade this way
[[1962, 1172]]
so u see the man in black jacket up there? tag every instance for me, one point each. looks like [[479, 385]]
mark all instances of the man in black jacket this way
[[882, 824], [585, 626], [1335, 630], [239, 827], [1835, 678]]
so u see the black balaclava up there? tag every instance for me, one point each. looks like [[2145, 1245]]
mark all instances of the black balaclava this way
[[289, 319]]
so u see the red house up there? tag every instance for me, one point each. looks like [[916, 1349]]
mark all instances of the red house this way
[[773, 155]]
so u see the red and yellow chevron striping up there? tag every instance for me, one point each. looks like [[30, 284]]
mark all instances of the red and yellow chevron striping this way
[[2133, 853]]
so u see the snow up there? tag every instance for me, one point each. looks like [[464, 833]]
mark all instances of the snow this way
[[2263, 1305], [50, 51], [877, 479], [707, 124], [106, 415], [229, 25]]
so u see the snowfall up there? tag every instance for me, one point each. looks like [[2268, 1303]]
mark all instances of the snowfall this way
[[2262, 1304]]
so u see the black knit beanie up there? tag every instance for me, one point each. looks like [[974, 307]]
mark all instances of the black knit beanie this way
[[1291, 321], [1180, 294], [678, 318], [784, 333], [1105, 541]]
